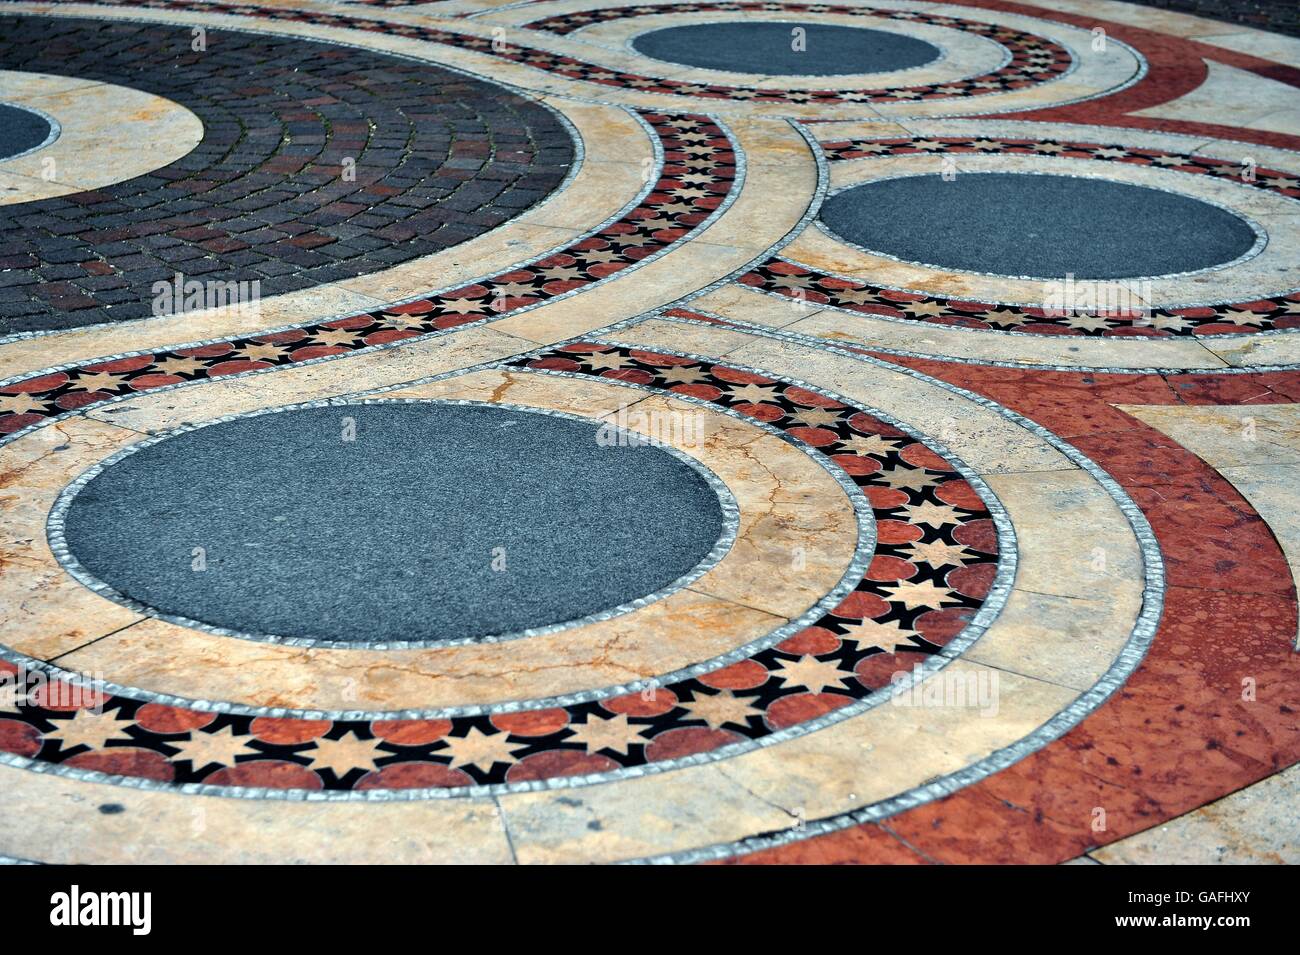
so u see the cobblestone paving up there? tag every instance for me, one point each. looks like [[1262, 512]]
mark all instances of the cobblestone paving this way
[[438, 157], [1280, 16]]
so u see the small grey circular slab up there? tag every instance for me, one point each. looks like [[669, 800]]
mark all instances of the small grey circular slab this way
[[770, 48], [1046, 226]]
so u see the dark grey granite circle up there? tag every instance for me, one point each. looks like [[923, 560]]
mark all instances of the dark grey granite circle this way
[[1037, 225], [21, 130], [392, 536], [768, 48]]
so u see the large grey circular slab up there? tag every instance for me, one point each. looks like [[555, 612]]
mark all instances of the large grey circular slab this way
[[1044, 226], [769, 48], [21, 130], [437, 522]]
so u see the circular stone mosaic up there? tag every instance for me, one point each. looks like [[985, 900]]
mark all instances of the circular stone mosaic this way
[[392, 521], [775, 49], [21, 130], [1037, 225]]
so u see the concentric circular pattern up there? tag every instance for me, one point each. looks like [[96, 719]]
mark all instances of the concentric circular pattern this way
[[1044, 226], [433, 522], [935, 560], [772, 49], [318, 164], [1033, 59], [696, 178], [21, 130]]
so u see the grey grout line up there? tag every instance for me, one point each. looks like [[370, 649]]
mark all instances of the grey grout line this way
[[103, 636], [984, 617], [504, 820], [1124, 664], [830, 344]]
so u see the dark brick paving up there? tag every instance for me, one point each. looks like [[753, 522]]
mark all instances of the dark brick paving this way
[[1280, 16], [439, 158]]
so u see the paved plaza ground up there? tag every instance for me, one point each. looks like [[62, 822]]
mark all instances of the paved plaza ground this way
[[584, 431]]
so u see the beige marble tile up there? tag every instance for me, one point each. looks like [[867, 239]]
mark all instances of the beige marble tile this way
[[1067, 641], [1244, 351], [584, 396], [923, 338], [771, 142], [1072, 539], [46, 612], [844, 766], [901, 743], [741, 303], [599, 192], [108, 134], [1078, 585], [712, 341], [17, 86], [857, 129], [1258, 825], [668, 634], [15, 188], [788, 505], [204, 401], [159, 827], [771, 204], [1227, 436], [794, 544], [634, 818], [1230, 96]]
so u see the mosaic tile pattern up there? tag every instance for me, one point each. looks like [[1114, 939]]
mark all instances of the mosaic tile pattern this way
[[934, 562], [1103, 524], [1034, 59], [783, 277], [1273, 180], [698, 173]]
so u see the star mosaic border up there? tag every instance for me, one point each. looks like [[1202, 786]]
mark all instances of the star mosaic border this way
[[1031, 59], [791, 279], [937, 556], [1034, 59], [700, 169]]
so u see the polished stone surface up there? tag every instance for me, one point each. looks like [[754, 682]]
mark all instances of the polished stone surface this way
[[20, 130], [436, 522], [770, 48], [1079, 527], [1039, 225]]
